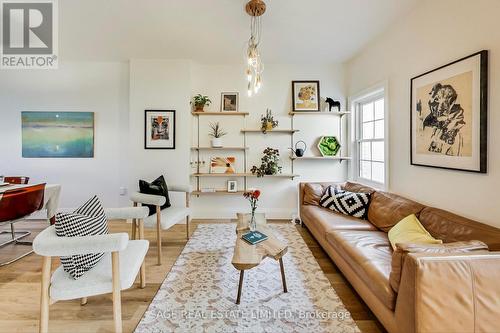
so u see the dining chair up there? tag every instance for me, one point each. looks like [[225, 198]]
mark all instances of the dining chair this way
[[116, 271], [16, 179], [163, 219], [16, 205]]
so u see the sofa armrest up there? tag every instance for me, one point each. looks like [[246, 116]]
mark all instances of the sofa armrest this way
[[148, 199], [449, 293]]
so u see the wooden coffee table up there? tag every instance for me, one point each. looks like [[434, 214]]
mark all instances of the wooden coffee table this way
[[247, 256]]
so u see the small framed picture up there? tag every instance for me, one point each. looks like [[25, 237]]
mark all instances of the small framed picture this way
[[232, 186], [305, 96], [229, 102], [159, 129]]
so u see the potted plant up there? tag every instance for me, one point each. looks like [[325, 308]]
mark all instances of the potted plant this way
[[199, 102], [268, 122], [216, 132], [269, 165]]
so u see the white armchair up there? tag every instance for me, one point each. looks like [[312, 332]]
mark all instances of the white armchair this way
[[166, 218], [116, 270]]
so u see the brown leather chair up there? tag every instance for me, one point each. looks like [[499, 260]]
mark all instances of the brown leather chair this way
[[16, 205], [16, 180]]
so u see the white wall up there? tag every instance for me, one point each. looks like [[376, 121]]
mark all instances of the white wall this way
[[84, 86], [434, 34], [279, 195]]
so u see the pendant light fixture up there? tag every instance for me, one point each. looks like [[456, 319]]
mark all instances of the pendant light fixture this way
[[254, 8]]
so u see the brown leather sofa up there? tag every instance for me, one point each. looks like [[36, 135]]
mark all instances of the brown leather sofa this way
[[451, 292]]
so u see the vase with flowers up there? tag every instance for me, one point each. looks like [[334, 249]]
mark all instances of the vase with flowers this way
[[253, 198]]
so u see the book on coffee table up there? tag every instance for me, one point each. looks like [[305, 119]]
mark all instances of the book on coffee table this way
[[254, 237]]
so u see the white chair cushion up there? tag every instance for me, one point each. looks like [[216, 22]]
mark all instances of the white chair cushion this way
[[169, 217], [98, 280]]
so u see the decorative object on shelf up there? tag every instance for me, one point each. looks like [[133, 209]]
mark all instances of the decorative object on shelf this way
[[253, 197], [229, 102], [269, 165], [299, 152], [449, 115], [268, 122], [216, 132], [254, 8], [232, 186], [57, 134], [332, 104], [305, 96], [328, 146], [222, 165], [159, 129], [199, 102]]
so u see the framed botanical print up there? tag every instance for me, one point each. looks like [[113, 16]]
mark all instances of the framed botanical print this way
[[229, 102], [159, 129], [449, 115], [305, 95], [222, 164]]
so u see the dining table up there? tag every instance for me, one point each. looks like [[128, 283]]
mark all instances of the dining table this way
[[50, 200]]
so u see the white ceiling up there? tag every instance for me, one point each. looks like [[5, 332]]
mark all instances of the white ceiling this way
[[215, 31]]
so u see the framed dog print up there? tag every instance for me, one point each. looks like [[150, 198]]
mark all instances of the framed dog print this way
[[305, 96], [229, 102], [449, 115], [159, 129]]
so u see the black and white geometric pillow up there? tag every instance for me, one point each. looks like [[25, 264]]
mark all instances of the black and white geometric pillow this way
[[88, 220], [345, 202]]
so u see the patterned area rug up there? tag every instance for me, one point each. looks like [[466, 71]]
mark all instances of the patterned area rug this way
[[199, 293]]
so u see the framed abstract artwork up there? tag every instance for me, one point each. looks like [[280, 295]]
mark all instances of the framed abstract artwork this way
[[222, 164], [449, 113], [229, 102], [305, 95], [57, 134], [159, 129]]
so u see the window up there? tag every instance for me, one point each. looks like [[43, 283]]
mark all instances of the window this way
[[370, 156]]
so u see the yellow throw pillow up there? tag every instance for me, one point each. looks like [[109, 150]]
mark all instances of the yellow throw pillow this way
[[410, 230]]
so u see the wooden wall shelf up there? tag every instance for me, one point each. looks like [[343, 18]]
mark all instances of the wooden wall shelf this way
[[221, 148], [275, 131], [321, 158], [217, 193], [229, 175], [219, 113], [319, 113]]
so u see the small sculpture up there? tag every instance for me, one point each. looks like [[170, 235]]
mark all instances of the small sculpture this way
[[331, 104]]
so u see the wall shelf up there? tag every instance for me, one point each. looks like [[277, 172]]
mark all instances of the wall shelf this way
[[204, 113], [221, 148], [321, 158], [279, 175], [275, 131], [319, 113], [216, 193]]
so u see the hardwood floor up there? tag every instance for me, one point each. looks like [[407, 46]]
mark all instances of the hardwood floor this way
[[20, 287]]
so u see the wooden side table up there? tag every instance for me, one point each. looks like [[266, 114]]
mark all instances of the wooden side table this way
[[247, 256]]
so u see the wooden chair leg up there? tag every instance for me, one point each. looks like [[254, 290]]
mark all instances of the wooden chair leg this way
[[134, 228], [45, 298], [143, 266], [83, 301], [158, 233], [187, 227], [117, 302]]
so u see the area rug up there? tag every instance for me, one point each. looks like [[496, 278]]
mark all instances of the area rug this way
[[199, 293]]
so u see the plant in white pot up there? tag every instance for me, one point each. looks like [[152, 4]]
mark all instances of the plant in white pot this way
[[216, 132]]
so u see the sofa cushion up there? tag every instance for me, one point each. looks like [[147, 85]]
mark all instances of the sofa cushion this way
[[452, 228], [410, 230], [387, 209], [312, 193], [369, 253], [345, 202], [402, 250], [324, 220], [359, 188]]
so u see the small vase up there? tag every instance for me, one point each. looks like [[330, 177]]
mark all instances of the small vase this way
[[253, 223], [216, 143]]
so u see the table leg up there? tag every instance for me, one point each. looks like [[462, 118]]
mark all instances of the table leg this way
[[283, 278], [240, 286]]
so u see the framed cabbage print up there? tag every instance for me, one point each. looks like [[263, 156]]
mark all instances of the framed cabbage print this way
[[159, 129], [449, 115], [305, 96]]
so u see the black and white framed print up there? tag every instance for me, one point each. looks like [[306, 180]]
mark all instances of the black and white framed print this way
[[159, 129], [449, 115], [229, 102], [305, 95]]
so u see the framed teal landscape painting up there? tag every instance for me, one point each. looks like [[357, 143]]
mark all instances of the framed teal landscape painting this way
[[58, 134]]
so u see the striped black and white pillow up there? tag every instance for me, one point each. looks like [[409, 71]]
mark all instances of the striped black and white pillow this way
[[88, 220], [345, 202]]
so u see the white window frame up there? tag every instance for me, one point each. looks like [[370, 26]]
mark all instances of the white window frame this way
[[379, 90]]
